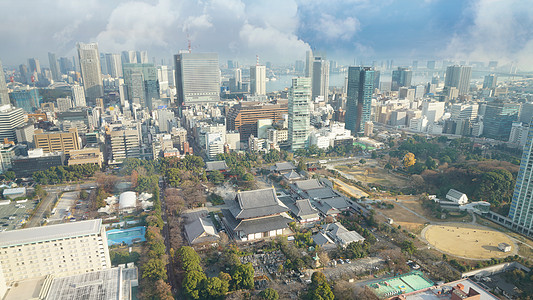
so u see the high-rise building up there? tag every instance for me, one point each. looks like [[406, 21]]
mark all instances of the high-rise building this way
[[78, 96], [24, 74], [490, 81], [320, 78], [10, 118], [162, 77], [54, 66], [236, 82], [433, 111], [299, 112], [113, 64], [65, 65], [401, 78], [431, 64], [142, 84], [142, 57], [124, 144], [464, 112], [4, 95], [35, 65], [57, 141], [258, 80], [27, 99], [197, 78], [521, 210], [498, 120], [129, 57], [90, 71], [459, 78], [309, 58], [103, 64], [359, 98], [243, 117], [526, 112]]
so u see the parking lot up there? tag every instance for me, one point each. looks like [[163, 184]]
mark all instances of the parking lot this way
[[14, 214], [69, 208]]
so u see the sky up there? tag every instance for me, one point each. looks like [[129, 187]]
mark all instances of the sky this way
[[279, 31]]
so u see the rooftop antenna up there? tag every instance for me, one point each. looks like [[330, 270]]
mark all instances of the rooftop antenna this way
[[189, 47], [257, 60]]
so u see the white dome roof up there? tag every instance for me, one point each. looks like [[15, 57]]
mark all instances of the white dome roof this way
[[127, 200]]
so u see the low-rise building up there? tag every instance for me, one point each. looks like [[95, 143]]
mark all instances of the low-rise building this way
[[86, 156], [341, 235], [15, 192], [25, 166], [456, 196], [257, 214], [306, 212]]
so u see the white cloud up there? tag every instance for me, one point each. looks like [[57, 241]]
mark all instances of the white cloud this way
[[332, 28], [500, 30]]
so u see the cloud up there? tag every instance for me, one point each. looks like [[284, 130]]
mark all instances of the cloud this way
[[331, 28], [499, 30]]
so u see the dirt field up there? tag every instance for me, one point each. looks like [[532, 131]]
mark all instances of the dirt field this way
[[376, 175], [403, 217], [467, 240]]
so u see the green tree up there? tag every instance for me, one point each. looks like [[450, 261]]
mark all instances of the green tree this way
[[213, 288], [216, 177], [154, 269], [188, 259], [243, 277], [10, 175], [191, 283], [320, 289], [301, 166], [269, 294], [431, 163], [408, 247], [248, 177]]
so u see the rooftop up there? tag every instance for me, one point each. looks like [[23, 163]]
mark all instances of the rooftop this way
[[284, 166], [47, 233], [200, 228], [107, 284], [259, 203], [216, 165], [445, 291], [308, 184], [454, 193], [305, 208]]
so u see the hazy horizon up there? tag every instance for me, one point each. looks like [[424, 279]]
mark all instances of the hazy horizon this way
[[278, 31]]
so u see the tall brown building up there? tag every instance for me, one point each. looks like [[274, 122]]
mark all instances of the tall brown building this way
[[243, 117], [57, 141]]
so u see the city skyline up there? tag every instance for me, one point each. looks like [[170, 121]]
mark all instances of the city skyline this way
[[279, 32]]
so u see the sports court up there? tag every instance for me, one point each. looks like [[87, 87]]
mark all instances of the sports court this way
[[401, 284]]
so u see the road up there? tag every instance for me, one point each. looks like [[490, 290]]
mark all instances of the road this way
[[53, 193], [166, 235]]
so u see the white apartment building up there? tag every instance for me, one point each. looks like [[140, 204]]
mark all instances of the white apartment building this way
[[518, 134], [433, 111], [59, 250]]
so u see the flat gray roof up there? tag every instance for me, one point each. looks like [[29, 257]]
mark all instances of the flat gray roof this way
[[112, 284], [47, 233]]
